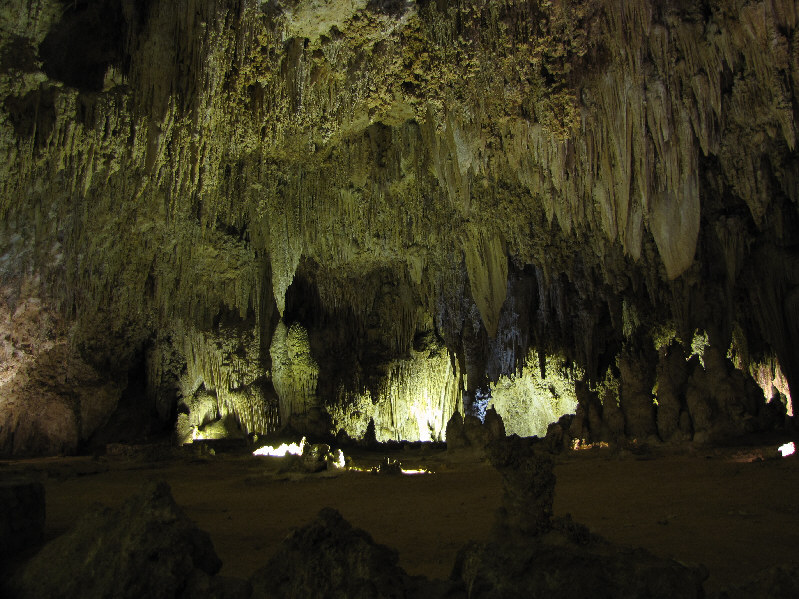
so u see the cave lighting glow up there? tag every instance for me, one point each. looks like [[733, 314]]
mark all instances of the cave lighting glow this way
[[412, 472], [340, 463], [787, 449], [282, 451]]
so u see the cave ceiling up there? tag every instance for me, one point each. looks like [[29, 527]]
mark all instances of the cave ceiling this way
[[327, 204]]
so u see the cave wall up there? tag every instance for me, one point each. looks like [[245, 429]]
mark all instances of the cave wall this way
[[421, 191]]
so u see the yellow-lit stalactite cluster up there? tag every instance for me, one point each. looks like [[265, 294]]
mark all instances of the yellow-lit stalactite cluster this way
[[223, 370], [276, 134], [413, 401], [531, 400]]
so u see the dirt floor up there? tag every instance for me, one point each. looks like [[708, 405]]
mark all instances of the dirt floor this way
[[734, 510]]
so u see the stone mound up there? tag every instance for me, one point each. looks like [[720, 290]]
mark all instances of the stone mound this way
[[567, 562], [147, 548], [328, 559]]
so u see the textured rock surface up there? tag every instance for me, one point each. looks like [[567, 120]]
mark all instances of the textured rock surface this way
[[147, 548], [51, 399], [528, 484], [779, 582], [569, 562], [330, 558], [202, 186], [472, 433]]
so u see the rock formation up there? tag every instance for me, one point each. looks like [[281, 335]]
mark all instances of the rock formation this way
[[147, 548], [533, 554], [330, 558], [326, 213]]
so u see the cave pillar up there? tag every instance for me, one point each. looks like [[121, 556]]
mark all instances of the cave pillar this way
[[637, 375], [673, 422]]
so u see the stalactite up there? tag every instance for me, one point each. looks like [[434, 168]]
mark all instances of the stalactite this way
[[487, 265], [584, 140], [224, 367], [534, 398], [413, 400]]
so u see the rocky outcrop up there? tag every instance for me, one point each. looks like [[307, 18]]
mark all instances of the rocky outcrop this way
[[567, 561], [528, 484], [472, 434], [330, 558], [778, 582], [147, 548], [673, 418], [52, 399]]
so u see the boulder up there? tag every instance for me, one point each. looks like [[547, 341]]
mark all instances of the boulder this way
[[146, 548], [329, 558], [569, 562], [315, 458]]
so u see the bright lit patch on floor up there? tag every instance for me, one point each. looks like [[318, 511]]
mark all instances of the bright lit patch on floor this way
[[390, 466], [787, 449], [336, 459], [580, 445], [283, 450]]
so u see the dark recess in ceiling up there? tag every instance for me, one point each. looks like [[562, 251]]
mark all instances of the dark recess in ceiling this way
[[88, 39]]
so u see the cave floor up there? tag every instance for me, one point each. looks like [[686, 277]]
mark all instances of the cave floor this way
[[733, 509]]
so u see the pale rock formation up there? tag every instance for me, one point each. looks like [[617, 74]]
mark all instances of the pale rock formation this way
[[537, 396], [294, 372]]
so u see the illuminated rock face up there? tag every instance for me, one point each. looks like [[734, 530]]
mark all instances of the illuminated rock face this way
[[413, 399], [535, 398], [398, 180]]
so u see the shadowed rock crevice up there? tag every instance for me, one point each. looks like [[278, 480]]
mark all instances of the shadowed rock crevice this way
[[88, 39]]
